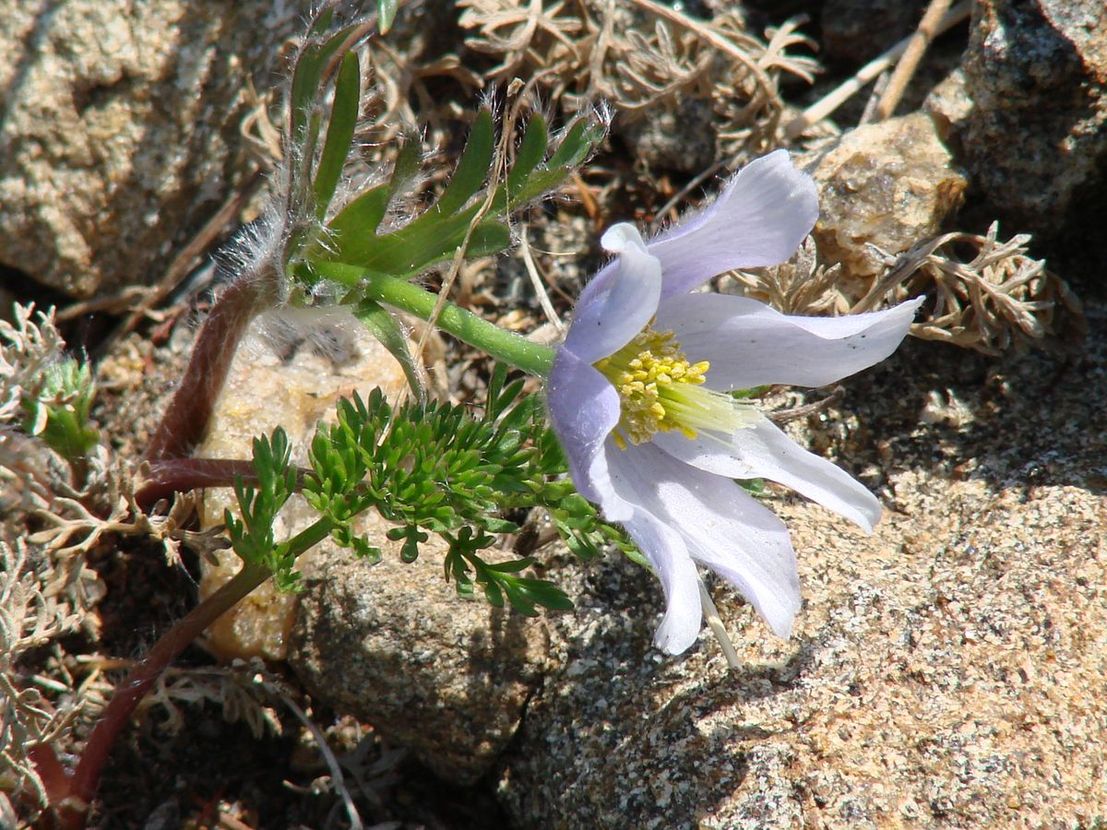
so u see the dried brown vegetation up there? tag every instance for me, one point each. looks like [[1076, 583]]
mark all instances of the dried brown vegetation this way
[[640, 55], [989, 296]]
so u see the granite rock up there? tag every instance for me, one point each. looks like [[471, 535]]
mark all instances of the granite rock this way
[[949, 104], [948, 671], [119, 129], [889, 185], [1036, 139], [393, 644]]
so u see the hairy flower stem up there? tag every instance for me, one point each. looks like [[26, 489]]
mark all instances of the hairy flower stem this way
[[184, 422], [73, 800], [501, 344]]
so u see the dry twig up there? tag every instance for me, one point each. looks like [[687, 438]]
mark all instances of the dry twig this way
[[916, 48], [589, 50], [842, 93], [997, 299], [799, 286], [37, 606]]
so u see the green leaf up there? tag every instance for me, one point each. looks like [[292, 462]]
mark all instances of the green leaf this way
[[548, 595], [386, 13], [340, 132], [493, 594], [494, 392], [384, 326], [439, 232], [530, 154], [366, 551], [407, 166], [310, 65], [435, 468], [424, 241], [321, 23], [512, 566], [472, 168], [252, 535], [412, 537], [59, 410], [578, 142], [489, 237], [520, 599], [353, 230]]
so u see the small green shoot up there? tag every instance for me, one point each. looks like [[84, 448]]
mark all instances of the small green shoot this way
[[58, 410]]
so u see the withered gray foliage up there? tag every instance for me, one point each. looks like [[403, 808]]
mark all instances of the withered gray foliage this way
[[42, 598], [799, 286], [29, 347], [637, 55], [47, 590], [37, 607], [235, 688], [989, 295]]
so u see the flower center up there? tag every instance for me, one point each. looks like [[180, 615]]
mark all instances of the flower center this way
[[661, 390]]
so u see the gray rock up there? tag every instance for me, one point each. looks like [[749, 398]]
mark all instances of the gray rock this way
[[1036, 139], [679, 137], [948, 671], [119, 129], [949, 104], [393, 644]]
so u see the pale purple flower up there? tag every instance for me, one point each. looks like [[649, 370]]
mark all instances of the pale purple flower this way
[[638, 396]]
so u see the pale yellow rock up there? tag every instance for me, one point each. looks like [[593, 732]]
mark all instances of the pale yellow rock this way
[[889, 185], [290, 371]]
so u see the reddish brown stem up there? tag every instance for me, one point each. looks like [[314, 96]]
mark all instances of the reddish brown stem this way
[[179, 475], [74, 803], [183, 425]]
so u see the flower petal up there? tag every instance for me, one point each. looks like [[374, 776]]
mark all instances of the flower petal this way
[[765, 451], [721, 525], [619, 300], [680, 626], [749, 344], [634, 477], [584, 408], [760, 218]]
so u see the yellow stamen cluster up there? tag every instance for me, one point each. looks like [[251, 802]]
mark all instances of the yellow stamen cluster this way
[[660, 391]]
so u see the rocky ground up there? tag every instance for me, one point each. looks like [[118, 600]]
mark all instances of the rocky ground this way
[[947, 671]]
